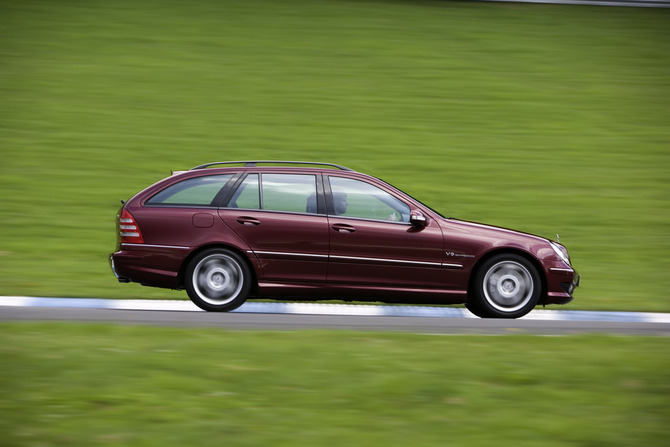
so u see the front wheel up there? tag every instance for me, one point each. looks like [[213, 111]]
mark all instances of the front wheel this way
[[505, 286], [218, 280]]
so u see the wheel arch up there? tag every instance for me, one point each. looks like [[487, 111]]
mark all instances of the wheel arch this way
[[515, 251], [242, 254]]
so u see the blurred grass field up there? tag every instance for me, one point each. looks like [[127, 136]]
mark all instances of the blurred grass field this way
[[97, 385], [547, 119]]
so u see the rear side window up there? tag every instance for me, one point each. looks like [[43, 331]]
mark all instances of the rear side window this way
[[199, 191], [247, 195], [284, 192], [277, 192]]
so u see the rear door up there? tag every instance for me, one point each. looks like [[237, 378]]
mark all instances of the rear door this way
[[278, 216]]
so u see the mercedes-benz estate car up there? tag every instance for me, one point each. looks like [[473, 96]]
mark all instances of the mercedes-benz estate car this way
[[230, 231]]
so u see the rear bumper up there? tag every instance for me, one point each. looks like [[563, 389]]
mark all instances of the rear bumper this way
[[111, 265], [151, 266]]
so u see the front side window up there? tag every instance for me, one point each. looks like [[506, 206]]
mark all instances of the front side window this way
[[277, 192], [355, 198], [198, 191]]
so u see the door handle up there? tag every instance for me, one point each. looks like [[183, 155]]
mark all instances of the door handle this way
[[244, 220], [343, 228]]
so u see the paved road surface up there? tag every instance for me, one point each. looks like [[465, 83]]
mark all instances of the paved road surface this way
[[340, 317]]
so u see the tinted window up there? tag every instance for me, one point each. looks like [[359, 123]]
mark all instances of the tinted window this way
[[277, 192], [288, 192], [355, 198], [194, 191], [247, 195]]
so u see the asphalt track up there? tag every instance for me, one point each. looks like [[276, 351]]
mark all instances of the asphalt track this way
[[298, 316]]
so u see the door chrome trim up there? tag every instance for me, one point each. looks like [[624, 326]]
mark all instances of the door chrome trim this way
[[452, 266], [394, 261], [357, 258], [302, 255], [399, 261]]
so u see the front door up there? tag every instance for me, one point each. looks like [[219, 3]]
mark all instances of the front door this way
[[372, 243]]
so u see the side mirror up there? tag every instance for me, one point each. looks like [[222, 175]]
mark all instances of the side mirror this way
[[418, 219]]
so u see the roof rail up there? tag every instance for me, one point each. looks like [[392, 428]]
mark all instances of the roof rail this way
[[254, 163]]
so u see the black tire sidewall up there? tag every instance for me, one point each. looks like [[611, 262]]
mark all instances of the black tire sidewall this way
[[241, 296]]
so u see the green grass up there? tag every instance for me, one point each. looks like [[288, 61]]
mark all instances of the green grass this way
[[90, 385], [547, 119]]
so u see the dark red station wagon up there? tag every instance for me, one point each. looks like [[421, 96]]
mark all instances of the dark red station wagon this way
[[230, 231]]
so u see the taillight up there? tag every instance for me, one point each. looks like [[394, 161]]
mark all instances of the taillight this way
[[129, 231]]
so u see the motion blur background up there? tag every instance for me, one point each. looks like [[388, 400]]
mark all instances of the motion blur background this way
[[544, 118]]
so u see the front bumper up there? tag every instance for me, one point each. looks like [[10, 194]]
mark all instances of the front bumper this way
[[561, 284], [570, 287]]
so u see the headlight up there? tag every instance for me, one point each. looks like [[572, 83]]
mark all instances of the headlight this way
[[561, 251]]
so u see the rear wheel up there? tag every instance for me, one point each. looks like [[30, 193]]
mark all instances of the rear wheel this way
[[218, 280], [506, 286]]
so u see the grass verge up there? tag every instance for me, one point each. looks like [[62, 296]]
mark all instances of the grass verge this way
[[90, 385]]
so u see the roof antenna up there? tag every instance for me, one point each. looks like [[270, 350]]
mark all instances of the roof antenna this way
[[558, 239]]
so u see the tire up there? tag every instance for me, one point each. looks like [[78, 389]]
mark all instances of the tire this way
[[505, 286], [218, 280]]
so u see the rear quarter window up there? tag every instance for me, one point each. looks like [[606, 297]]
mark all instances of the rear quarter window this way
[[199, 191]]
